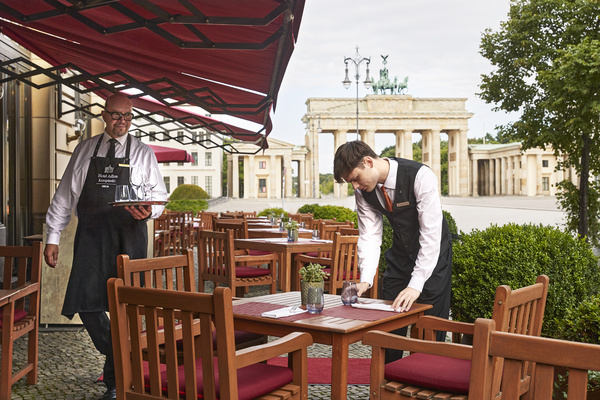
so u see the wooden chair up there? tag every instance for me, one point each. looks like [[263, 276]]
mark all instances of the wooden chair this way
[[239, 227], [349, 231], [174, 228], [162, 243], [518, 311], [172, 273], [206, 219], [20, 315], [219, 262], [520, 350], [229, 375]]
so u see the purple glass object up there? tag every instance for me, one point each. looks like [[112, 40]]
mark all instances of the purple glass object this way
[[349, 293]]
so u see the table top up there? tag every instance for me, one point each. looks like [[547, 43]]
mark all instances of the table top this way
[[6, 294], [335, 317], [302, 243]]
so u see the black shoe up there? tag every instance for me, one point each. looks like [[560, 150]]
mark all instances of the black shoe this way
[[111, 393]]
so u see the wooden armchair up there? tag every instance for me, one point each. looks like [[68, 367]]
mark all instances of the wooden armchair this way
[[520, 350], [19, 313], [229, 375], [438, 373], [172, 273], [218, 261]]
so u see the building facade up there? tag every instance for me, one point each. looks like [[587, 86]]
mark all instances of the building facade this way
[[267, 174]]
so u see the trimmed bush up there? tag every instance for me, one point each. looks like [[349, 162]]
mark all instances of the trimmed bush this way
[[582, 324], [329, 212], [276, 211], [189, 192], [187, 205], [515, 255]]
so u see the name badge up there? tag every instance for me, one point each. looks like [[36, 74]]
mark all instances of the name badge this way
[[403, 204]]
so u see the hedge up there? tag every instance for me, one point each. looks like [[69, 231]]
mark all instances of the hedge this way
[[515, 255]]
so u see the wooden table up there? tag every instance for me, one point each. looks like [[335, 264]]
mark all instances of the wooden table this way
[[254, 233], [338, 325], [285, 250]]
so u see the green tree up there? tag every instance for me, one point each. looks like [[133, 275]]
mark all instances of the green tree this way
[[326, 183], [547, 68]]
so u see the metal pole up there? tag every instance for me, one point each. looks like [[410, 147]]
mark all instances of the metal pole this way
[[357, 60]]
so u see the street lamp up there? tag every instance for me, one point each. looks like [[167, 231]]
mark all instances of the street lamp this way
[[357, 60]]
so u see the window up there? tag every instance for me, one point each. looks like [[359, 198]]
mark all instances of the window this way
[[167, 180], [180, 180], [152, 136], [195, 180], [166, 136], [180, 135], [195, 157], [545, 163], [208, 185], [262, 165], [545, 184], [262, 185], [208, 159], [180, 164]]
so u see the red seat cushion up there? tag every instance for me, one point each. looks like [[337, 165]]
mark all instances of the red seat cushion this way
[[19, 315], [253, 381], [249, 272], [258, 252], [431, 371]]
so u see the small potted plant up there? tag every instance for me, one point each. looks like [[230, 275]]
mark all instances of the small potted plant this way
[[312, 275], [292, 230]]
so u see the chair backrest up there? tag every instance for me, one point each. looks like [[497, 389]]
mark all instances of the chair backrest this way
[[160, 223], [349, 231], [239, 227], [216, 257], [169, 273], [518, 350], [179, 309], [162, 243], [344, 260], [21, 258], [206, 219]]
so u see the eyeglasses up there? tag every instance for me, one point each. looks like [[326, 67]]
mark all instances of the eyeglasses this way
[[117, 115]]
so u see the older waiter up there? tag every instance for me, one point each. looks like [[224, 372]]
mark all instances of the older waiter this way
[[88, 185]]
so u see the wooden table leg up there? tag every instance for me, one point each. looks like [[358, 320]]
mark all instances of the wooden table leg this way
[[339, 367], [286, 258]]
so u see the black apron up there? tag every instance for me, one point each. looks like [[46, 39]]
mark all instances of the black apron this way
[[103, 232]]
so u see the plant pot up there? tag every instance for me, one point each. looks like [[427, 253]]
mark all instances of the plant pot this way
[[292, 235], [304, 289]]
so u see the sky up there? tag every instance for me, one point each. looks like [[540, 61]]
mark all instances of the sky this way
[[433, 42]]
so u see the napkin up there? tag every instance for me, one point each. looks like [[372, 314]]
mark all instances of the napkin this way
[[319, 240], [374, 306], [283, 312]]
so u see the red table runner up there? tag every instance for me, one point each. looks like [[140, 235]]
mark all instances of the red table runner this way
[[341, 311]]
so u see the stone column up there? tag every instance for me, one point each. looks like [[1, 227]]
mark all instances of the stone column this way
[[235, 178], [524, 176], [463, 162], [475, 177], [339, 189], [426, 148], [301, 179], [315, 189], [538, 177], [287, 164], [436, 164], [511, 178], [491, 173], [274, 176], [250, 188], [368, 138], [497, 168]]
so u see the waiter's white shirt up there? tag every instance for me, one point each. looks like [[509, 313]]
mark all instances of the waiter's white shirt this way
[[71, 184], [370, 225]]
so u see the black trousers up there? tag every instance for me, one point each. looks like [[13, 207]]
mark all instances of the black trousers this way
[[441, 307], [98, 326]]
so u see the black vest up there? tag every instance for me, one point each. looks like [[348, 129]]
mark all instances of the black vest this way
[[404, 219]]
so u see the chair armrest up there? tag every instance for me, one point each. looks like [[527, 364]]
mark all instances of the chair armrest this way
[[310, 259], [287, 344], [257, 258], [25, 290], [429, 322], [379, 339]]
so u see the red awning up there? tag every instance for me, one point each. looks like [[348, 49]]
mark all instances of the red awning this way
[[225, 56], [169, 154]]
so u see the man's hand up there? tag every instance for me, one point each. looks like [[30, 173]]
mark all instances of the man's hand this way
[[139, 212], [51, 254], [362, 287], [405, 299]]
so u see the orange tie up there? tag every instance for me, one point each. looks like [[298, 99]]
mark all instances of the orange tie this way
[[388, 201]]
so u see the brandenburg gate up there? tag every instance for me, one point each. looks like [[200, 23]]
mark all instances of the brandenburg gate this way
[[401, 115]]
